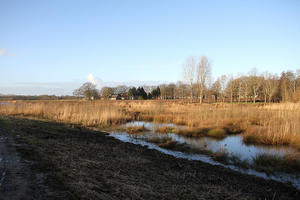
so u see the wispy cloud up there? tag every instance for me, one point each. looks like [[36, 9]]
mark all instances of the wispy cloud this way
[[67, 88], [4, 52], [135, 83], [39, 88]]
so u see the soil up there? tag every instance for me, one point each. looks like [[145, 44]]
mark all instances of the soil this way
[[17, 179], [78, 163]]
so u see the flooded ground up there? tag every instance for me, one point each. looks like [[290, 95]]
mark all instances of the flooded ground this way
[[233, 144]]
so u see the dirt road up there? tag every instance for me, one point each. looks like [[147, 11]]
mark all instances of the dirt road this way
[[17, 180]]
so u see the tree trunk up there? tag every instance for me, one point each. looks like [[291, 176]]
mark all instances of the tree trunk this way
[[201, 95], [265, 98]]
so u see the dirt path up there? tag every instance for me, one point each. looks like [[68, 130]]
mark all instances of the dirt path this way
[[17, 181]]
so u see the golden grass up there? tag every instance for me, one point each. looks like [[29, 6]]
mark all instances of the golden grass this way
[[283, 106], [271, 123], [268, 124], [83, 113]]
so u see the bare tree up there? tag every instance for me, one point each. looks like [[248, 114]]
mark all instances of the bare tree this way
[[188, 72], [239, 82], [209, 88], [171, 90], [163, 90], [180, 88], [246, 87], [88, 90], [77, 93], [147, 88], [230, 86], [255, 82], [272, 85], [106, 91], [216, 88], [223, 84], [203, 74], [121, 89]]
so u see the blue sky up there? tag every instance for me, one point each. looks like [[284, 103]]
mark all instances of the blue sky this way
[[53, 47]]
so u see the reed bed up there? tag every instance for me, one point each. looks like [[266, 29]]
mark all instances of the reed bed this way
[[81, 113], [268, 124], [274, 124]]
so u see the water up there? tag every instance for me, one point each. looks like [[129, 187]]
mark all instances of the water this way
[[233, 144]]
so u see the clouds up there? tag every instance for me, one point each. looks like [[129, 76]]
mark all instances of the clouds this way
[[95, 80], [136, 83], [39, 88], [67, 88], [4, 52]]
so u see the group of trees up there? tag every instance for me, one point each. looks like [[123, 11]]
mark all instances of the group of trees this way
[[138, 93], [198, 84], [87, 90], [196, 70]]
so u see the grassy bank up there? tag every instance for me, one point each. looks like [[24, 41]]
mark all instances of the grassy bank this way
[[269, 163], [93, 166]]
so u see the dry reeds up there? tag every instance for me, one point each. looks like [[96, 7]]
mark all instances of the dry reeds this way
[[83, 113], [268, 124]]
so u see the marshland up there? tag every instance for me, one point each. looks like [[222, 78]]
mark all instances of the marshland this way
[[177, 126]]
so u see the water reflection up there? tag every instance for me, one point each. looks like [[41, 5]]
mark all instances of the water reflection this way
[[232, 143]]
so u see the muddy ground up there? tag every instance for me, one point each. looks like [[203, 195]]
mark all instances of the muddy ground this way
[[71, 162], [17, 180]]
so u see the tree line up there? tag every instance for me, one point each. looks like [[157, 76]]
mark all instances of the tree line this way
[[12, 97], [197, 84], [267, 86]]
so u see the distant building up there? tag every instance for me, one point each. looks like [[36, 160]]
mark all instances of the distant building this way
[[114, 97], [124, 96]]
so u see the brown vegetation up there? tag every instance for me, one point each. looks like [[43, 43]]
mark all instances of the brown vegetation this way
[[92, 166], [268, 124]]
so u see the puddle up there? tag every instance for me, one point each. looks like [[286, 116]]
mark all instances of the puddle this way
[[232, 143]]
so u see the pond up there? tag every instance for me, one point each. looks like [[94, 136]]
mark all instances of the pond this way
[[232, 144]]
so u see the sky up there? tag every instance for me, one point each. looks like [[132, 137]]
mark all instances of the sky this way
[[53, 47]]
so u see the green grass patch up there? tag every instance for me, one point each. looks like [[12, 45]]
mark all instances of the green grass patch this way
[[136, 129], [166, 129], [217, 133]]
